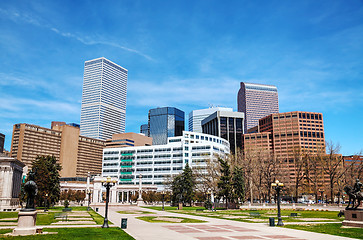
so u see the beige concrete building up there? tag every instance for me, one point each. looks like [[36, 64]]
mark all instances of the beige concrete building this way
[[77, 155], [11, 171], [128, 140]]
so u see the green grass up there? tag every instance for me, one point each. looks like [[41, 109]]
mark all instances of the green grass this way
[[8, 215], [78, 234], [134, 212], [185, 220], [97, 217], [45, 219], [264, 214], [333, 228], [3, 231]]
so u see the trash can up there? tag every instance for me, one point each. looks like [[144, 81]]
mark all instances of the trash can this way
[[96, 209], [271, 221], [123, 223]]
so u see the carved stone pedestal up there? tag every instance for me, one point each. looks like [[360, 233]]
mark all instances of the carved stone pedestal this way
[[26, 223], [353, 218], [140, 202]]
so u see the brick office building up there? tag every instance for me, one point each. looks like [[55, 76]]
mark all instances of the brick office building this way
[[285, 135]]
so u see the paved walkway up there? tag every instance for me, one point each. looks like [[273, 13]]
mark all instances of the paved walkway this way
[[213, 229]]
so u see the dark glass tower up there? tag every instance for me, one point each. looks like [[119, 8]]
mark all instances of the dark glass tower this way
[[165, 122], [227, 125]]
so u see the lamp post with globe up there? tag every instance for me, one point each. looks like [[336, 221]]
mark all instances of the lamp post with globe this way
[[278, 187], [107, 184]]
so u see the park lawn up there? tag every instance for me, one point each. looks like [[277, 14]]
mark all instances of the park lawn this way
[[8, 215], [78, 234], [185, 220], [247, 215], [332, 228]]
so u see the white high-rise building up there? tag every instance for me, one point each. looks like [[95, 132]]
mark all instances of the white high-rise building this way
[[103, 110], [196, 117]]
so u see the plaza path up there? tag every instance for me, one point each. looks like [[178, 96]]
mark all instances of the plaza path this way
[[213, 229]]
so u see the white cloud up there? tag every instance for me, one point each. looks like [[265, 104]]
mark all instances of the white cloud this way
[[36, 21], [176, 92]]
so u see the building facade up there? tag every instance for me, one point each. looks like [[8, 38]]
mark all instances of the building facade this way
[[227, 125], [103, 111], [11, 171], [256, 101], [2, 141], [158, 163], [144, 129], [77, 154], [197, 116], [287, 136], [128, 140], [164, 123]]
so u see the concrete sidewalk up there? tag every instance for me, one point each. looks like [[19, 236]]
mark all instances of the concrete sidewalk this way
[[213, 229]]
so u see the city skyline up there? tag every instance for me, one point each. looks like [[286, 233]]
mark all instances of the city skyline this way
[[186, 56]]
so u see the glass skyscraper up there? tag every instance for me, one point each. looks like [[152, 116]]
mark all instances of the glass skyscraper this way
[[256, 101], [165, 122], [103, 110]]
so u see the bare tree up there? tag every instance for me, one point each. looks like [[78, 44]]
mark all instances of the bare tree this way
[[332, 165]]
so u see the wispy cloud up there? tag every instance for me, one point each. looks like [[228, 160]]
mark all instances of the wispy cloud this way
[[177, 92], [17, 16], [21, 105]]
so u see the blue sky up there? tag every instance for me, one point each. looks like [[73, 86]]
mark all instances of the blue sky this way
[[185, 54]]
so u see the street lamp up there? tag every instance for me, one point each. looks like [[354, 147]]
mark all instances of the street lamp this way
[[108, 184], [89, 197], [321, 195], [45, 202], [278, 186], [209, 199], [162, 194]]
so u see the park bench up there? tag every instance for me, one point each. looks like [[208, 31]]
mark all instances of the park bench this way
[[62, 215], [255, 214], [199, 210], [293, 214]]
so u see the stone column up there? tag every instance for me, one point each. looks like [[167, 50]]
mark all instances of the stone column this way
[[113, 195], [122, 197], [127, 196]]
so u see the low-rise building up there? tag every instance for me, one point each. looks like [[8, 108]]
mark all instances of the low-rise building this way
[[128, 140], [158, 163]]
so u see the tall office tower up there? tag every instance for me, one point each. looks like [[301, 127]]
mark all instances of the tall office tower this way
[[256, 101], [196, 117], [227, 125], [165, 122], [103, 110], [2, 141], [144, 129]]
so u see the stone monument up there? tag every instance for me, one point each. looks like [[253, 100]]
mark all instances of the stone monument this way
[[354, 215], [27, 216], [11, 171], [140, 201]]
